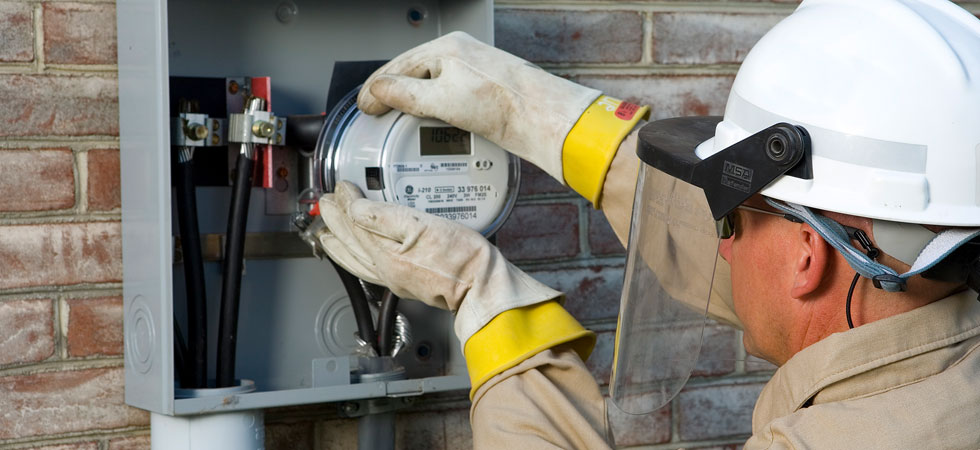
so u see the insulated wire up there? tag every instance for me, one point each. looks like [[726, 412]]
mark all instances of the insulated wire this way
[[231, 283], [386, 323], [359, 304], [190, 243]]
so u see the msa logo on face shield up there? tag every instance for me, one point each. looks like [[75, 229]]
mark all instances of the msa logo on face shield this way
[[736, 177]]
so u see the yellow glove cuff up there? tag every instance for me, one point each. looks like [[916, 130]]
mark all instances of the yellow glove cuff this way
[[592, 143], [517, 334]]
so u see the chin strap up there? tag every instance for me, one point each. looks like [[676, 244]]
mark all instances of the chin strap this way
[[884, 277]]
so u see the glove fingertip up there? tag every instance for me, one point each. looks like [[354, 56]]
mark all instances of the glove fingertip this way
[[367, 100]]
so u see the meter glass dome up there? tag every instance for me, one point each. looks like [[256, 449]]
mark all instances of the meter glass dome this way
[[422, 163]]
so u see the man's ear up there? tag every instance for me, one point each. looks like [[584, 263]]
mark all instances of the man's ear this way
[[810, 268]]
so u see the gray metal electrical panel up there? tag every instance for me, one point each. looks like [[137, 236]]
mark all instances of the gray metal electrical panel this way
[[296, 327]]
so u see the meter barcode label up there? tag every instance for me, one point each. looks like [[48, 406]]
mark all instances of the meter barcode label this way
[[451, 210], [432, 167]]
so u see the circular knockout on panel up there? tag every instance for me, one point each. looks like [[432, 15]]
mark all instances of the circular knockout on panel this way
[[336, 327], [140, 336]]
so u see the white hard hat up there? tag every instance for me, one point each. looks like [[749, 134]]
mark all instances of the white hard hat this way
[[889, 91]]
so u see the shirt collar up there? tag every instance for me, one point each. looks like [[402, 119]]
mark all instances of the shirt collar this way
[[839, 366]]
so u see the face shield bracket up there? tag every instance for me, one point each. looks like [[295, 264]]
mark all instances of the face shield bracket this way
[[732, 175]]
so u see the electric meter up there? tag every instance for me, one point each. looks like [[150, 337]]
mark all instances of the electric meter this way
[[425, 164]]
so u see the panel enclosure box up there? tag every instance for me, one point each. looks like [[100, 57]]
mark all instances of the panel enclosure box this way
[[293, 315]]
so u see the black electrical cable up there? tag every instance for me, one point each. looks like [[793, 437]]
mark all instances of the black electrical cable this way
[[359, 304], [180, 361], [231, 282], [190, 244], [386, 323]]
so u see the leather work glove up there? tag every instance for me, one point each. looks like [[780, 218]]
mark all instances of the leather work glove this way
[[570, 131], [447, 265]]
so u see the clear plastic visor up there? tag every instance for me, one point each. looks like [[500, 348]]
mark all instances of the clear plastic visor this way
[[670, 268]]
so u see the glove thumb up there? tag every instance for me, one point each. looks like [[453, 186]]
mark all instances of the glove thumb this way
[[405, 93], [399, 226]]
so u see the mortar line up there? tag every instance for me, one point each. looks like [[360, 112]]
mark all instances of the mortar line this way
[[74, 437], [42, 291], [60, 329], [81, 199], [585, 248], [647, 44], [68, 365], [38, 37]]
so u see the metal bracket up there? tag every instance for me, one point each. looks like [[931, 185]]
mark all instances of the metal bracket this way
[[258, 127], [197, 130]]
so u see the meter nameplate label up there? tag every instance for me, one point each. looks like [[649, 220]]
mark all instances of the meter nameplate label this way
[[456, 198], [409, 168]]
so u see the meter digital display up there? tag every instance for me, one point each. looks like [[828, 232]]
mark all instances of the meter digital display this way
[[442, 141], [421, 163]]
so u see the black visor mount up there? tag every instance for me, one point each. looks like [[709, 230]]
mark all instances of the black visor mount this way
[[734, 174]]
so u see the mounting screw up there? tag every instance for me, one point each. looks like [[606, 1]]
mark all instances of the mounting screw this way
[[233, 87], [196, 131], [263, 129], [350, 408]]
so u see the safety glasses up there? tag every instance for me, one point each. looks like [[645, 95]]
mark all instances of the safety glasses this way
[[726, 225]]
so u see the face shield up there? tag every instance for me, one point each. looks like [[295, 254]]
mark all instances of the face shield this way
[[680, 211]]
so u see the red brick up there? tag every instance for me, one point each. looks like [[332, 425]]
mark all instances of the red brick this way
[[459, 435], [340, 434], [602, 239], [79, 33], [58, 105], [717, 351], [420, 431], [60, 254], [716, 411], [707, 38], [570, 36], [65, 402], [130, 443], [95, 326], [591, 293], [668, 95], [645, 429], [26, 331], [601, 361], [540, 231], [289, 436], [535, 181], [72, 446], [16, 32], [36, 180], [103, 180]]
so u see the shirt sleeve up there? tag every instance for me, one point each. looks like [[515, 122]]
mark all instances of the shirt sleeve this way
[[548, 401]]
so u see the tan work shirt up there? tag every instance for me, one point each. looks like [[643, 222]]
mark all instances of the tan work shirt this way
[[908, 381]]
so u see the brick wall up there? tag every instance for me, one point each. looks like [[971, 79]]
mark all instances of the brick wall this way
[[61, 377]]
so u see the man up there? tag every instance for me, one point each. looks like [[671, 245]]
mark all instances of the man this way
[[844, 183]]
